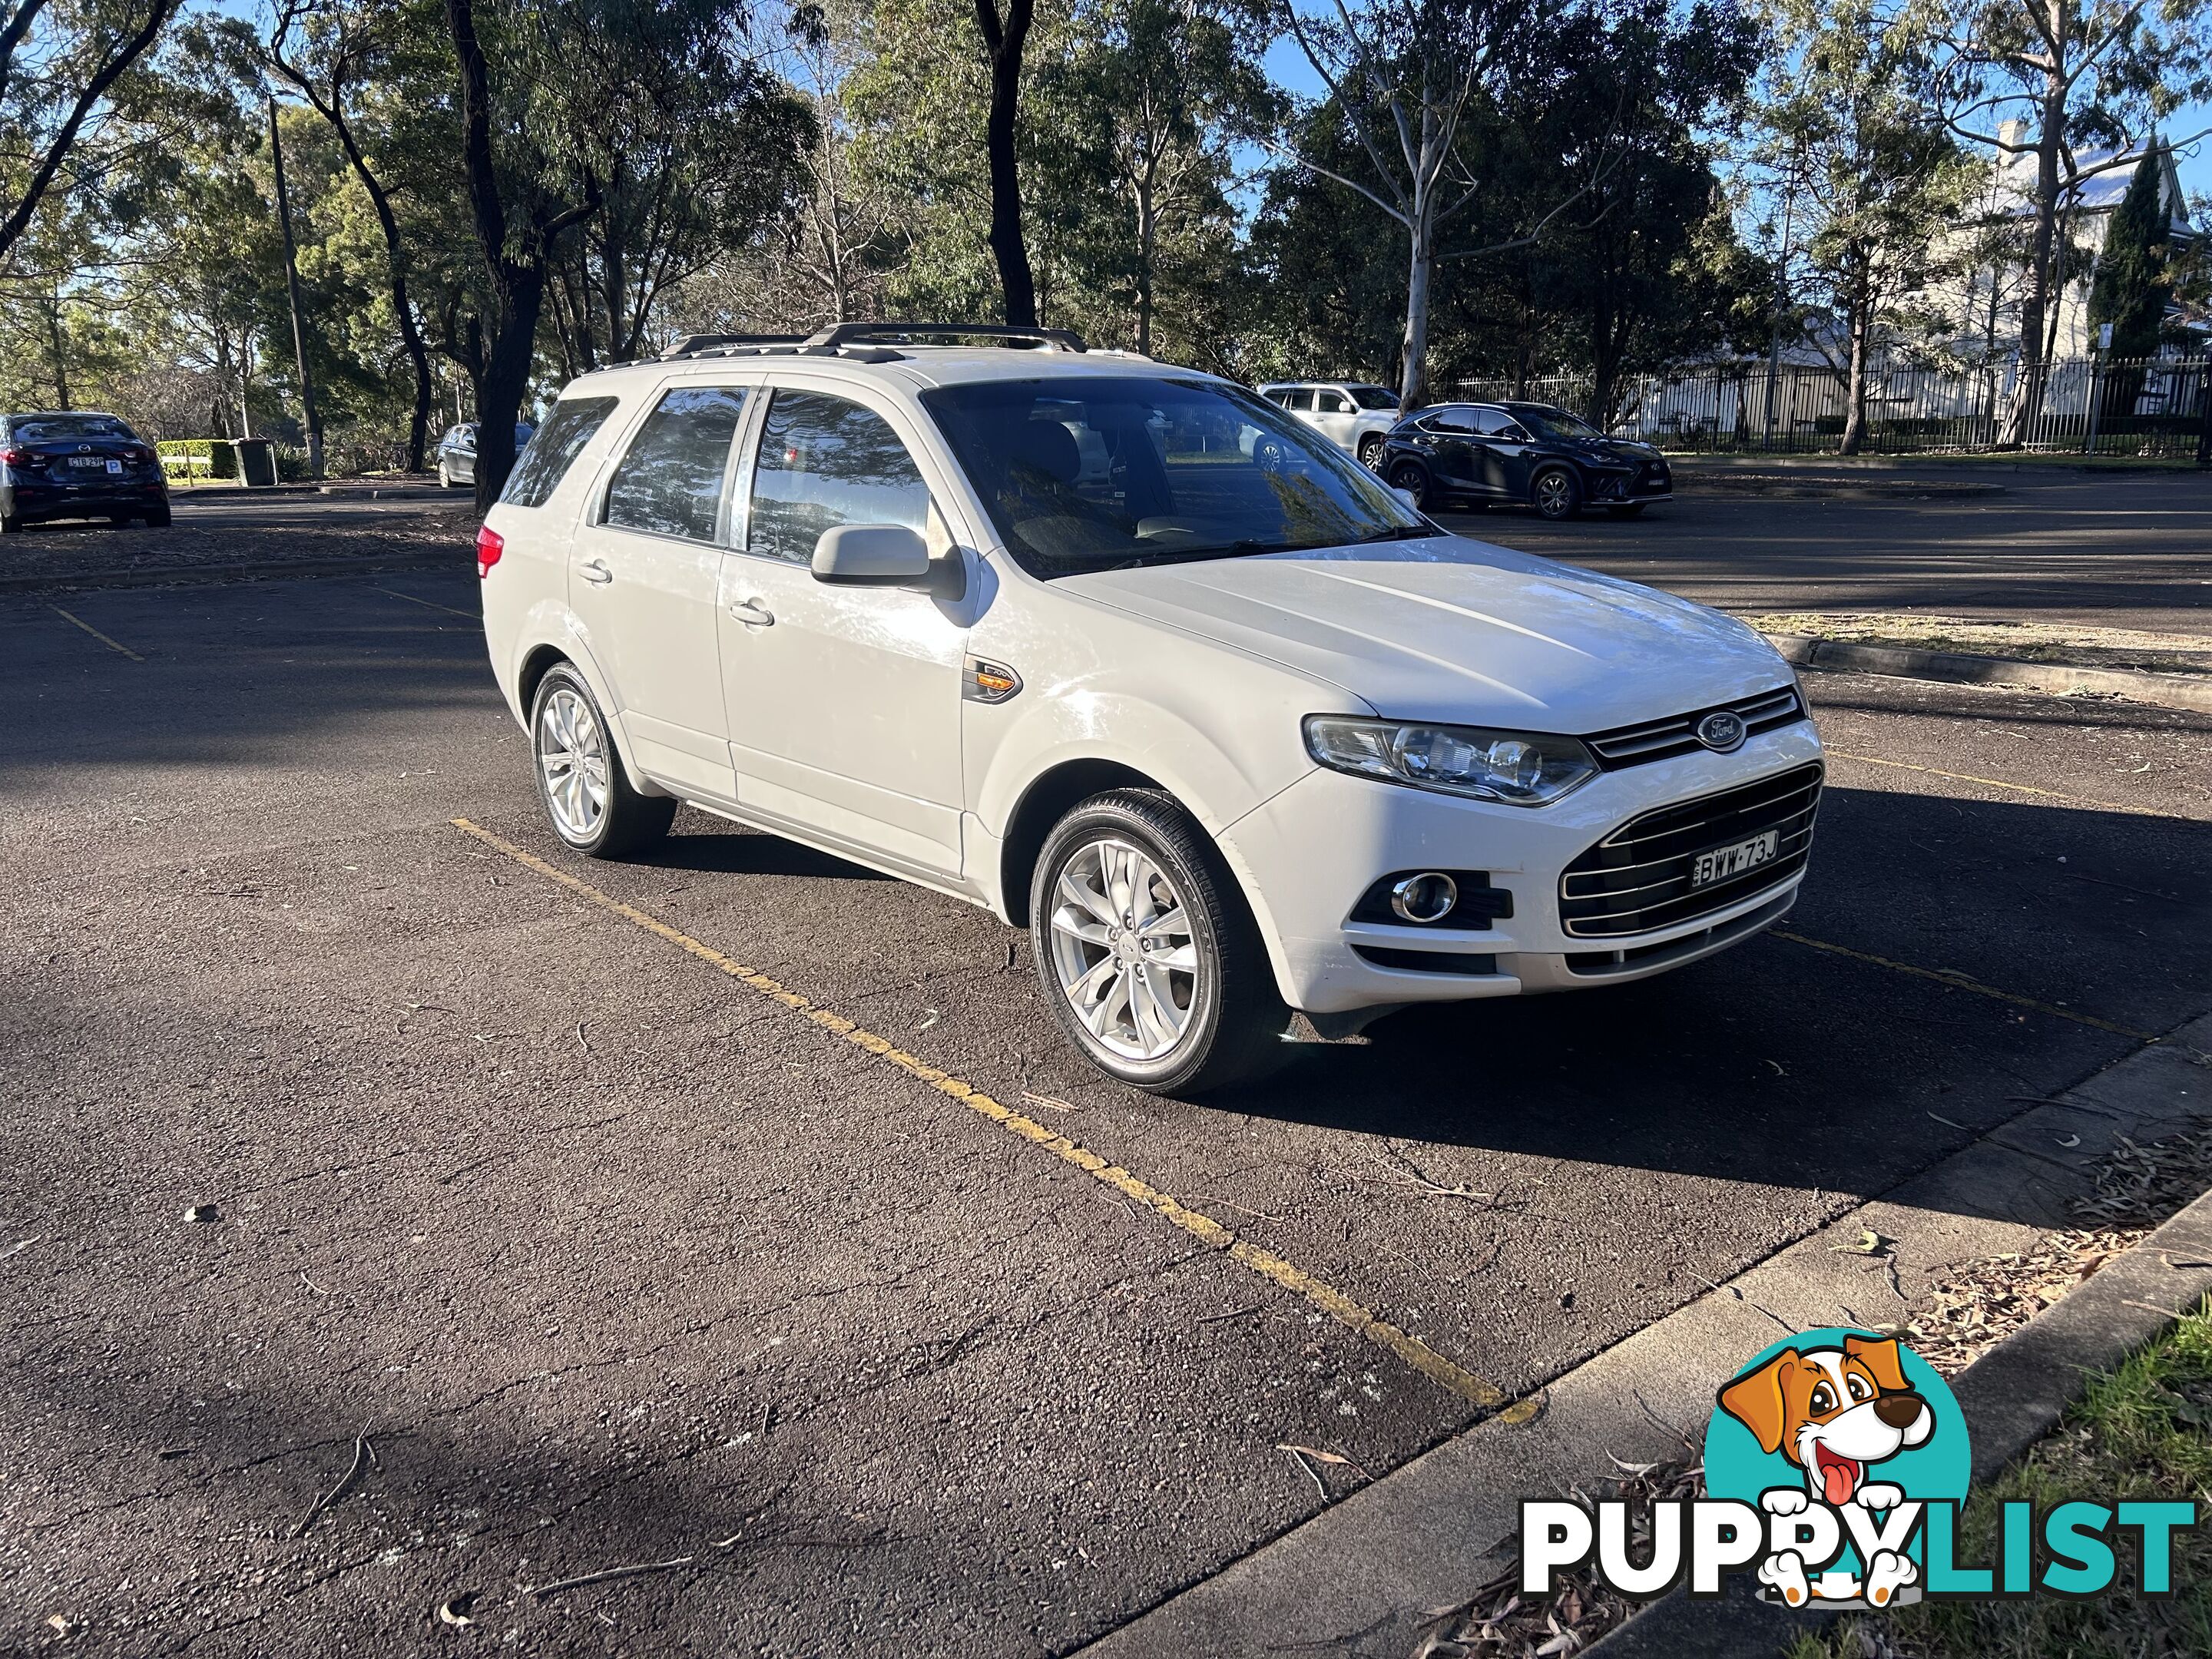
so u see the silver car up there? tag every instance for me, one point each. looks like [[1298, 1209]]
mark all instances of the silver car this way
[[457, 453]]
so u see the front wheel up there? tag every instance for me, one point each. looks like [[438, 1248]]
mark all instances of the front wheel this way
[[1371, 452], [1149, 958], [1413, 478], [1556, 493], [588, 796], [445, 476]]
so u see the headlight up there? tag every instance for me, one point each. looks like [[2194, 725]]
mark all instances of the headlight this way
[[1522, 768]]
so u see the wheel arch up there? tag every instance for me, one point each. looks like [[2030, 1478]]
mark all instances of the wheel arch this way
[[1048, 798], [540, 660]]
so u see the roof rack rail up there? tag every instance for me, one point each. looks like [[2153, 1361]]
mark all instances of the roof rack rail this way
[[839, 335], [691, 346]]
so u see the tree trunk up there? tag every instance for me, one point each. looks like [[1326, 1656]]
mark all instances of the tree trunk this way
[[1420, 275], [2028, 393], [1147, 244], [411, 336], [59, 349], [314, 420], [1855, 385], [1006, 40]]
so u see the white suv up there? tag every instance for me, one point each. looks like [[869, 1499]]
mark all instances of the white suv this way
[[1352, 415], [1124, 654]]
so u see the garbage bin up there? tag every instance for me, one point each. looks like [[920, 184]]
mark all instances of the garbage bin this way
[[257, 462]]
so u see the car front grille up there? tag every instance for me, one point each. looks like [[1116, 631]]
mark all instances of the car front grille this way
[[1632, 746], [1638, 878]]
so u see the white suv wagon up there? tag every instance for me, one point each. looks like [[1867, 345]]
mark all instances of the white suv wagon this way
[[1127, 655]]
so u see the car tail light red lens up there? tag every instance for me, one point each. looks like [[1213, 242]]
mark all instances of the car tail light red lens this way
[[489, 545], [15, 456]]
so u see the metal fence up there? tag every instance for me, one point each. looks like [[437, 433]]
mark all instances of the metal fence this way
[[2156, 407]]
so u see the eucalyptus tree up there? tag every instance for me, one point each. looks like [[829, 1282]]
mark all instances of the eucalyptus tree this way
[[1884, 180], [59, 64], [2058, 93]]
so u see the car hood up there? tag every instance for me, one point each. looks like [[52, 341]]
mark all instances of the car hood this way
[[1446, 629]]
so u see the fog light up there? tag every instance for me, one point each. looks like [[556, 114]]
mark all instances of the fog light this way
[[1426, 898]]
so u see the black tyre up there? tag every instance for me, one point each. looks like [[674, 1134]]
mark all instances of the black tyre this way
[[158, 518], [1371, 452], [1146, 951], [587, 795], [1556, 493], [1413, 478], [11, 525]]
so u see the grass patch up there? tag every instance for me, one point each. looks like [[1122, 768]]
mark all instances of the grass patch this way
[[2142, 1432], [2072, 644]]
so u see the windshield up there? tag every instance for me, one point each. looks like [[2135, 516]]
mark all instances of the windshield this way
[[1556, 423], [52, 428], [1374, 396], [1103, 472]]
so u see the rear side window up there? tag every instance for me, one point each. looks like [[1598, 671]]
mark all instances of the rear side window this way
[[551, 450], [671, 481], [826, 462], [1298, 399]]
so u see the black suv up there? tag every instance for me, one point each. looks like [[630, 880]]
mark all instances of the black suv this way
[[1468, 455], [77, 464]]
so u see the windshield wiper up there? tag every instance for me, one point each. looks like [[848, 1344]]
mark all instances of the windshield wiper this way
[[1399, 532]]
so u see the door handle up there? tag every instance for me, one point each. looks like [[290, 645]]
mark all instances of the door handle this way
[[753, 614], [594, 571]]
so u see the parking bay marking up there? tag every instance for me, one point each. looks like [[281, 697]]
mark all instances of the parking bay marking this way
[[111, 644], [433, 604], [1338, 1306], [1996, 783], [1961, 982]]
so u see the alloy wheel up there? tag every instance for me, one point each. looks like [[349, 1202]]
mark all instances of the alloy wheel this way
[[572, 759], [1555, 494], [1123, 949]]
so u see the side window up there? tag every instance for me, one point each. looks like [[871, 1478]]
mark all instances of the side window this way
[[824, 462], [1455, 420], [553, 449], [671, 480], [1496, 424], [1332, 403], [1301, 399]]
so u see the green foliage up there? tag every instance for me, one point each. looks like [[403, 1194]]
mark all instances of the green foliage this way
[[2132, 287]]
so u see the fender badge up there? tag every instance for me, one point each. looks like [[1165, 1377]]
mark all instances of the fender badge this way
[[988, 681]]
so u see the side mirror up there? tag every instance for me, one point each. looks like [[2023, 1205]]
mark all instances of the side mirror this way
[[1406, 496], [870, 555]]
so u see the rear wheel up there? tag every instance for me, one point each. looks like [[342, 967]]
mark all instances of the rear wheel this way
[[1556, 493], [1413, 478], [158, 518], [594, 806], [11, 524], [1148, 955]]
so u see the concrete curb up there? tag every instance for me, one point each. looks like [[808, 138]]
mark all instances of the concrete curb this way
[[1810, 489], [1700, 461], [1902, 662], [232, 495], [365, 564], [2012, 1395], [1361, 1578]]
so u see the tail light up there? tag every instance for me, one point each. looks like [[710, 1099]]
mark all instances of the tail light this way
[[489, 545], [15, 456]]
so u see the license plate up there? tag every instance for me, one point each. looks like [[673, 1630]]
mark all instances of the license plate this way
[[1722, 862], [91, 461]]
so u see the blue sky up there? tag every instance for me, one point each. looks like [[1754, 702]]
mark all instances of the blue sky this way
[[1288, 67]]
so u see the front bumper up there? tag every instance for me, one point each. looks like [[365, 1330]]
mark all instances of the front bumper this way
[[1308, 855]]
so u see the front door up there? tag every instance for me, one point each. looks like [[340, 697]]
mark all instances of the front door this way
[[644, 576], [1453, 458], [844, 702], [1335, 415]]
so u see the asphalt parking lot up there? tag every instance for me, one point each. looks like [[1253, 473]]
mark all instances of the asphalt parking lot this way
[[620, 1260]]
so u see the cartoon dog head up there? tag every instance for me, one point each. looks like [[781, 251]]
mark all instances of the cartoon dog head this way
[[1831, 1412]]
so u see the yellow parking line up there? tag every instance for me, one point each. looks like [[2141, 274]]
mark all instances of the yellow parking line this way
[[1996, 783], [96, 633], [1959, 982], [1341, 1308], [433, 604]]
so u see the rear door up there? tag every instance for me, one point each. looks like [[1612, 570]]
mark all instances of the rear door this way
[[1507, 448], [844, 702], [644, 571]]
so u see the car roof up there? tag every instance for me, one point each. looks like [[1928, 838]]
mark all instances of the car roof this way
[[918, 367], [64, 414]]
